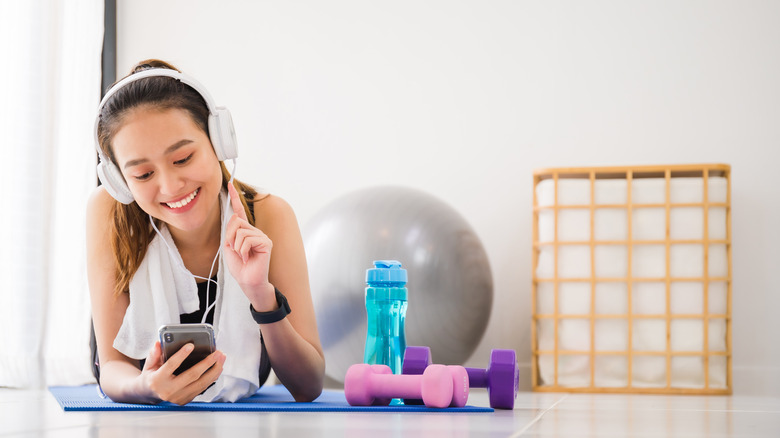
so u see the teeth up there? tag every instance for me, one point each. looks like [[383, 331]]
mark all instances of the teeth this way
[[183, 202]]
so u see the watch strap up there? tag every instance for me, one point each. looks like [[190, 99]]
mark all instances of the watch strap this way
[[274, 315]]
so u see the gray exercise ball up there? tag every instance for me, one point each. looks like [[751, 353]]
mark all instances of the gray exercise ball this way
[[450, 283]]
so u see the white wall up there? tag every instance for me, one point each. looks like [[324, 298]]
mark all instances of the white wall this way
[[463, 99]]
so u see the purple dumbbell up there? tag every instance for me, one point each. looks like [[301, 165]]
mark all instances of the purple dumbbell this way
[[367, 385], [501, 377]]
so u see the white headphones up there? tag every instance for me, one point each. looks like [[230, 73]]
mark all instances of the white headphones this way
[[221, 131]]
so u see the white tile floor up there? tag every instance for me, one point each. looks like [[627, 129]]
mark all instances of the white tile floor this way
[[34, 413]]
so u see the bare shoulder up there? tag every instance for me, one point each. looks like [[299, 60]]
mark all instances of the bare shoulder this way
[[274, 212], [99, 211], [99, 204]]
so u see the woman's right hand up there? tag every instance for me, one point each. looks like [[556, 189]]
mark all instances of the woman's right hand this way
[[158, 378]]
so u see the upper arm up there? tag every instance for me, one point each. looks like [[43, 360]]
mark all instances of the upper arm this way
[[108, 310], [288, 270]]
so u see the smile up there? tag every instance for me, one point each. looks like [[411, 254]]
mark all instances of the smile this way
[[185, 201]]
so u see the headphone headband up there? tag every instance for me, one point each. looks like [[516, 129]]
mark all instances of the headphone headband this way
[[220, 124], [161, 72]]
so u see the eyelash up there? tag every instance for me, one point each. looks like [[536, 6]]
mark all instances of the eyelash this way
[[184, 160], [147, 175], [144, 177]]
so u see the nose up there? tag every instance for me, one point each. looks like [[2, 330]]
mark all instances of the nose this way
[[171, 183]]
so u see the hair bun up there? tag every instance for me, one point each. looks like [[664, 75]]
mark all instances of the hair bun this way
[[152, 63]]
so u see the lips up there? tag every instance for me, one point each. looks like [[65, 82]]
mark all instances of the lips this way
[[183, 202]]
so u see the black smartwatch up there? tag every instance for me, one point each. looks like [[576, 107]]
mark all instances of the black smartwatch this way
[[274, 315]]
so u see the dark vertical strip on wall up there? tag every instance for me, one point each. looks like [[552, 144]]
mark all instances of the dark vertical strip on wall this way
[[108, 76], [109, 46]]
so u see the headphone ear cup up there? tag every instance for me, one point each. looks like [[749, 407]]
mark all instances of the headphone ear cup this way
[[223, 134], [111, 178]]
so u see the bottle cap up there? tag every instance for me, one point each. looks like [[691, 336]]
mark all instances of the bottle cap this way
[[386, 271]]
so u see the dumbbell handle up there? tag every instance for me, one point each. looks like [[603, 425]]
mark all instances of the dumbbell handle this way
[[478, 377], [396, 386]]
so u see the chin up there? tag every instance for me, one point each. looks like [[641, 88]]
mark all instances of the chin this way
[[191, 220]]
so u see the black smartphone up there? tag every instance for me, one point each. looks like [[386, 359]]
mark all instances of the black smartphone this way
[[175, 336]]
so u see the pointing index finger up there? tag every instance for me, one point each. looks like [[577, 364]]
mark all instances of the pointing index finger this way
[[235, 202]]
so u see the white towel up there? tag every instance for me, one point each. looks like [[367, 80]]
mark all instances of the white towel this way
[[163, 288]]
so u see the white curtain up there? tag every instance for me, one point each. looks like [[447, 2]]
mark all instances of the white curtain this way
[[50, 57]]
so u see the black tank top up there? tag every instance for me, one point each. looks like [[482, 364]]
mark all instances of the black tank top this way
[[197, 316]]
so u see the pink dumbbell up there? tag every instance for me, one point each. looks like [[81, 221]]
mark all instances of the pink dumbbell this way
[[439, 386]]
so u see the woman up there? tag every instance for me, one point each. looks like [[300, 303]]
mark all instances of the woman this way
[[155, 145]]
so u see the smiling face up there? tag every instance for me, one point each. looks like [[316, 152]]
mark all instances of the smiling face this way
[[170, 167]]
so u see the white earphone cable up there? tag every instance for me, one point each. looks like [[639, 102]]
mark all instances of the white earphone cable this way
[[219, 251], [209, 279]]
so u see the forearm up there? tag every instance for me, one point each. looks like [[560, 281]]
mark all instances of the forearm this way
[[122, 382], [297, 363]]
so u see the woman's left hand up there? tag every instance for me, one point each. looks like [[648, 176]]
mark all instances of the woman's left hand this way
[[247, 250]]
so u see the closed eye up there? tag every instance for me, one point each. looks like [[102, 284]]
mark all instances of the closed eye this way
[[183, 160]]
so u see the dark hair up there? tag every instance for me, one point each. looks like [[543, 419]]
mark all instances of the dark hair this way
[[159, 92], [130, 229]]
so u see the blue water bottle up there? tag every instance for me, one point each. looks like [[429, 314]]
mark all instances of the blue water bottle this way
[[386, 310]]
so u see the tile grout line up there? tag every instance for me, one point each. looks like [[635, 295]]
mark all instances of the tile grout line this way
[[537, 418]]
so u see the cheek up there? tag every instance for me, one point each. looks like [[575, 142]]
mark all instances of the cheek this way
[[143, 191], [216, 174], [143, 194]]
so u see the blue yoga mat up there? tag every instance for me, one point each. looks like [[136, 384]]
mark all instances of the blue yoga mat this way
[[269, 399]]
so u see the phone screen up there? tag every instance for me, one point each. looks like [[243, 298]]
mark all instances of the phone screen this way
[[175, 336]]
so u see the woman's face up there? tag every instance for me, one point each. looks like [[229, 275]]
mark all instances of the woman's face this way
[[170, 167]]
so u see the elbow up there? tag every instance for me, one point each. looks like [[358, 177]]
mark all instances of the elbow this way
[[309, 395], [312, 390]]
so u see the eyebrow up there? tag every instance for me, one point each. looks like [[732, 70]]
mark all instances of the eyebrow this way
[[170, 149]]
